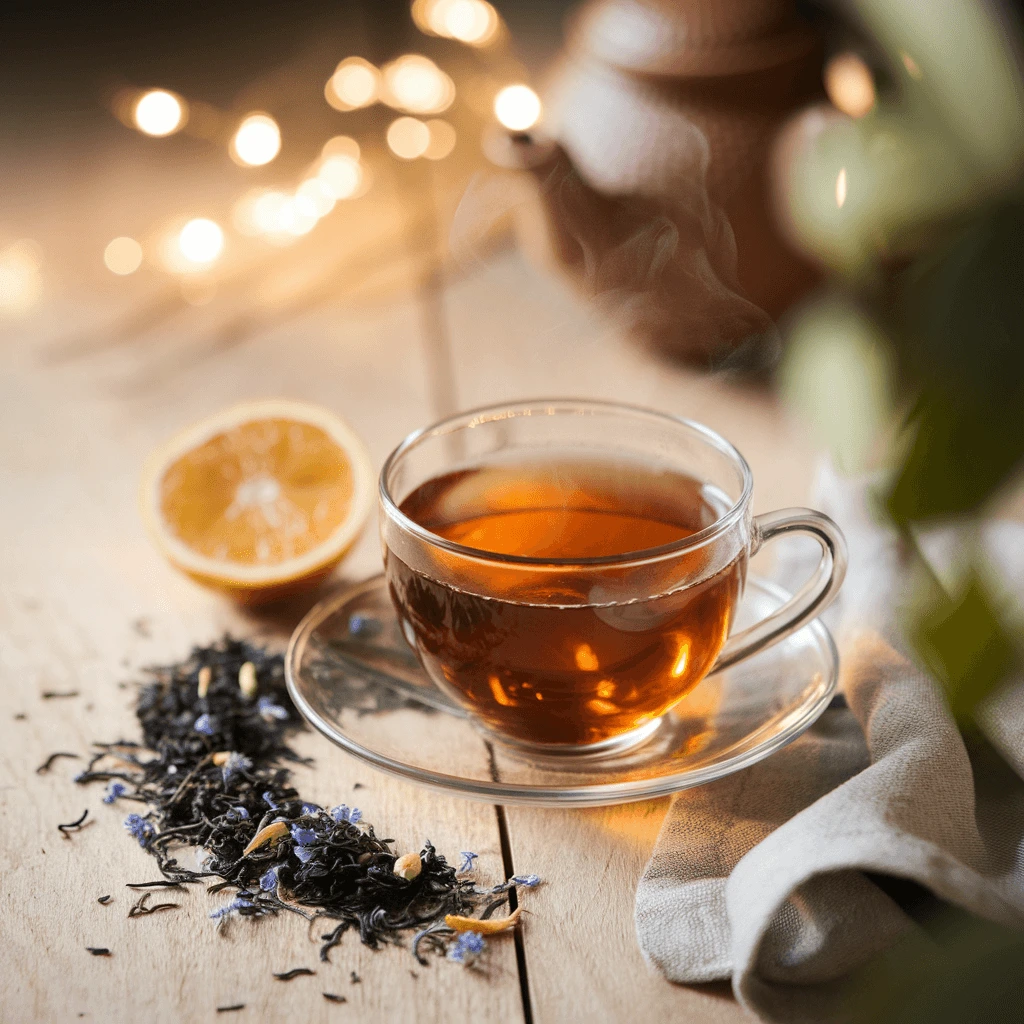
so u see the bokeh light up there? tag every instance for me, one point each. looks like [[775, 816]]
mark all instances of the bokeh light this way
[[849, 84], [841, 187], [158, 113], [123, 256], [417, 85], [257, 141], [341, 176], [341, 145], [442, 139], [201, 241], [319, 194], [354, 84], [474, 22], [21, 280], [408, 138], [517, 107]]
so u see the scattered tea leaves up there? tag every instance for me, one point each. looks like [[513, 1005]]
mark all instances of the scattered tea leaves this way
[[103, 899], [48, 763], [211, 768], [232, 1008], [58, 694], [98, 950], [160, 883], [332, 997], [141, 907], [355, 978], [295, 972], [76, 825]]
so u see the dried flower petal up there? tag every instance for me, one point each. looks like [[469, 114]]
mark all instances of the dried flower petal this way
[[114, 790], [204, 725], [489, 927], [467, 948], [272, 833], [139, 828], [247, 680], [268, 880], [530, 881], [269, 710], [467, 861], [408, 866], [303, 836], [205, 677]]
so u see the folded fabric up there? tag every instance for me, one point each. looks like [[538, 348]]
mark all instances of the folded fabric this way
[[776, 877]]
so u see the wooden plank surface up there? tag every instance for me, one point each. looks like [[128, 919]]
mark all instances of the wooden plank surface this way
[[85, 600]]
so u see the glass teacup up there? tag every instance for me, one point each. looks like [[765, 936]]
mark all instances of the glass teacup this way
[[567, 571]]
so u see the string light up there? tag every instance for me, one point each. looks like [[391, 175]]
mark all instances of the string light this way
[[408, 138], [257, 141], [123, 256], [201, 241], [354, 84], [442, 139], [159, 113], [849, 84], [474, 22], [415, 84], [517, 107]]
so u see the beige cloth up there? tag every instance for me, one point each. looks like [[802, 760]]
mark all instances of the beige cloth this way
[[764, 877]]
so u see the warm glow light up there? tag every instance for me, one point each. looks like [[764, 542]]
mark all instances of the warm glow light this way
[[341, 176], [517, 107], [681, 659], [201, 240], [268, 212], [159, 113], [123, 256], [21, 282], [416, 84], [841, 187], [408, 138], [586, 659], [341, 145], [442, 139], [319, 194], [469, 21], [299, 217], [354, 84], [849, 84], [257, 141]]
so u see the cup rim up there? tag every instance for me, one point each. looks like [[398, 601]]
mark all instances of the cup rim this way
[[552, 406]]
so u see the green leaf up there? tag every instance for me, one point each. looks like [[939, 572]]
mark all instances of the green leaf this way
[[964, 644]]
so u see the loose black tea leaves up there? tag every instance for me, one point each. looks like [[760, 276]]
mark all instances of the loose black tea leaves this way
[[48, 763], [103, 899], [142, 909], [211, 773], [76, 825], [295, 972], [331, 997], [232, 1008], [98, 950], [58, 694]]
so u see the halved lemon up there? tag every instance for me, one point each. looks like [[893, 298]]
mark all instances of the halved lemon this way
[[261, 500]]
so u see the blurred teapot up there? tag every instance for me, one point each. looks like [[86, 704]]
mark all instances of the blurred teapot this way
[[652, 190]]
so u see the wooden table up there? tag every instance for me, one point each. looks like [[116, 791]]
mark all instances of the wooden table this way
[[85, 601]]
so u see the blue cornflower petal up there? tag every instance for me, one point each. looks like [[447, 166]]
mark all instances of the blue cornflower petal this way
[[268, 709], [240, 813], [343, 813], [229, 908], [467, 948], [311, 808], [139, 828], [114, 790], [235, 763], [304, 853], [203, 725], [268, 799], [268, 881], [303, 836], [528, 880], [467, 861]]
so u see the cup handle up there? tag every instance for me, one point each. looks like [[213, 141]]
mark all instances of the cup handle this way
[[810, 600]]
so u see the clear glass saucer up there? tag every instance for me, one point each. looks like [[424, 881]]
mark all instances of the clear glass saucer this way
[[354, 678]]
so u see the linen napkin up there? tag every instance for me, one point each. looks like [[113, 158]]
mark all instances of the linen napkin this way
[[777, 877]]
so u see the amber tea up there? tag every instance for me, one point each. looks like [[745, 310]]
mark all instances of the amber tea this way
[[538, 646]]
